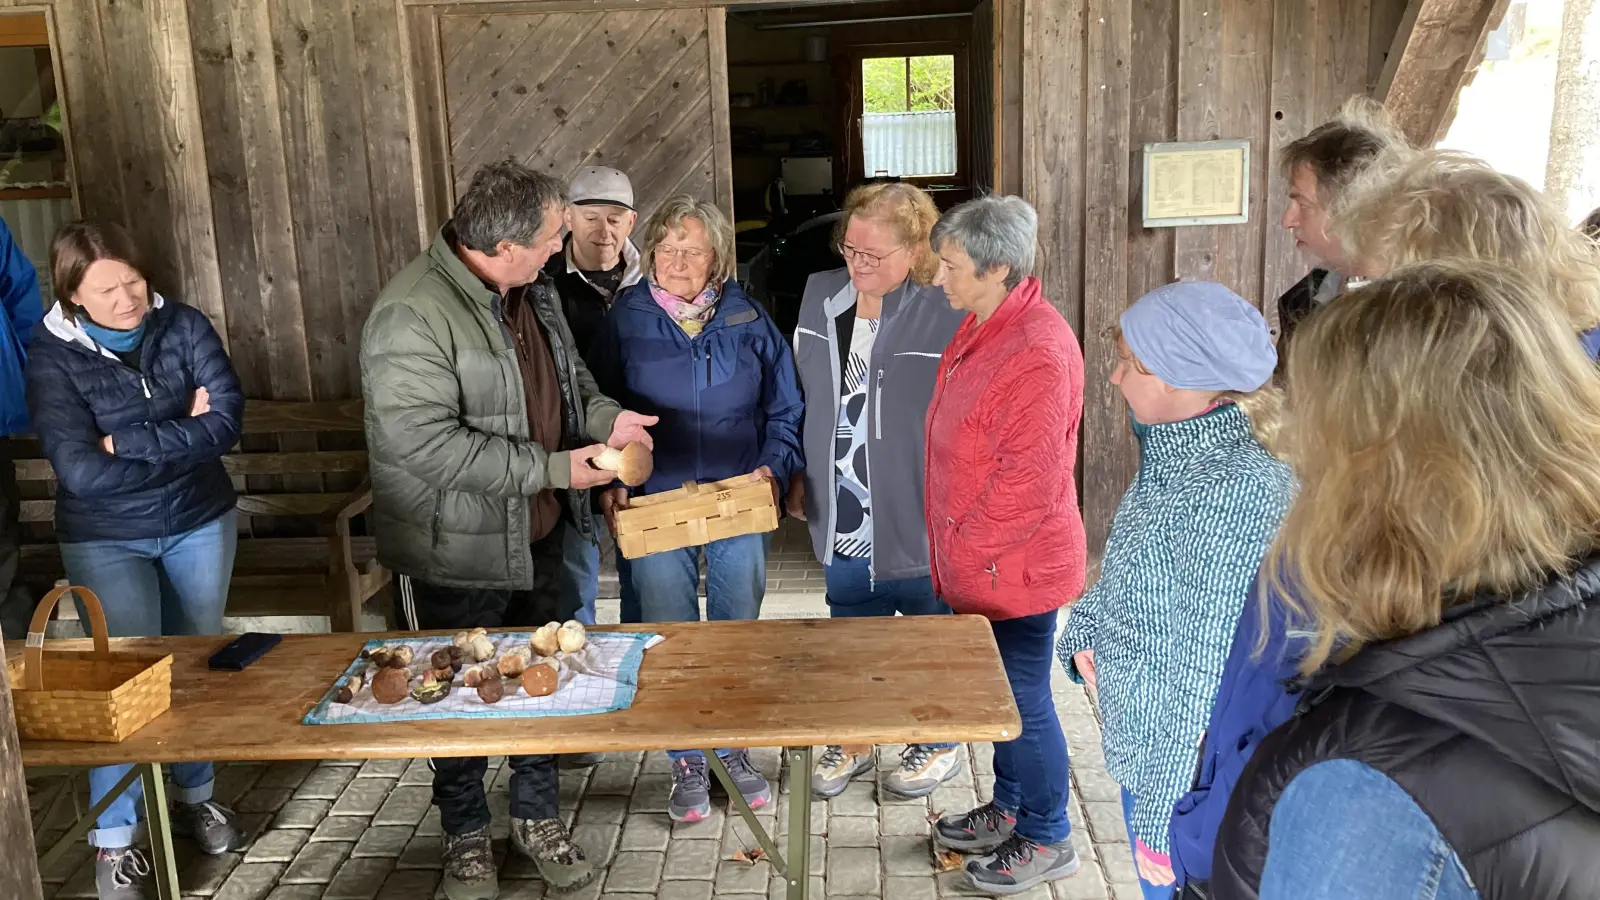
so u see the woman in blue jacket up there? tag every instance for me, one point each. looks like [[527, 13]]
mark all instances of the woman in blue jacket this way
[[135, 402], [687, 345]]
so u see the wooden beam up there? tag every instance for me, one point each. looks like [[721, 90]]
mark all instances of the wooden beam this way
[[1434, 51], [20, 877]]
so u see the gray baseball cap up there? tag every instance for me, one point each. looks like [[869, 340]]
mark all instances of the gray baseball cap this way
[[600, 186]]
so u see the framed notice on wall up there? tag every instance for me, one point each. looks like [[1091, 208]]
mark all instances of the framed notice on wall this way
[[1202, 183]]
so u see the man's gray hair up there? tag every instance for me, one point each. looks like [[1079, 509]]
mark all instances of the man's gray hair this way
[[507, 201], [994, 231]]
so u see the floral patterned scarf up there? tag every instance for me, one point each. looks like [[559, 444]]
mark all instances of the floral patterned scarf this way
[[691, 316]]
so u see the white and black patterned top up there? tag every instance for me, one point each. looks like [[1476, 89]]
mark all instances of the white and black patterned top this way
[[852, 532]]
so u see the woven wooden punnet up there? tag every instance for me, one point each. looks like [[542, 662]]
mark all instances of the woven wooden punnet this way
[[695, 515], [97, 696]]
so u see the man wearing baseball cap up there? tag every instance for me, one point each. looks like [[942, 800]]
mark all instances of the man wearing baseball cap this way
[[599, 260]]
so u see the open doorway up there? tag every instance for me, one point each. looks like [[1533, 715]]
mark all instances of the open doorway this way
[[824, 98]]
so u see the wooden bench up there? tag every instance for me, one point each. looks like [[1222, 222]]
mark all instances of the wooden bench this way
[[328, 572]]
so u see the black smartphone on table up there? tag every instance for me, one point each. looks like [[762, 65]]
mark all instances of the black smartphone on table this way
[[244, 650]]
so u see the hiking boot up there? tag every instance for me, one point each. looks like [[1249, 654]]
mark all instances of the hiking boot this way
[[469, 869], [572, 761], [748, 779], [547, 842], [1020, 865], [981, 831], [210, 825], [690, 800], [120, 874], [923, 768], [835, 769]]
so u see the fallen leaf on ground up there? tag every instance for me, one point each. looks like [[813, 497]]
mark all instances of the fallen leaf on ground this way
[[946, 861], [749, 856], [935, 816]]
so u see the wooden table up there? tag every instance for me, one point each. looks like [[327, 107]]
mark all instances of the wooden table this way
[[792, 683]]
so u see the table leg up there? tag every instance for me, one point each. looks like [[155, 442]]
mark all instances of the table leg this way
[[798, 872], [158, 820], [745, 812]]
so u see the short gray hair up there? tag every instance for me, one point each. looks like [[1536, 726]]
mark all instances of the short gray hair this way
[[507, 201], [994, 231], [669, 217]]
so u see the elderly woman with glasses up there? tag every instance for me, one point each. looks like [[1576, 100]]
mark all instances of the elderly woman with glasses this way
[[1003, 520], [689, 346], [867, 346]]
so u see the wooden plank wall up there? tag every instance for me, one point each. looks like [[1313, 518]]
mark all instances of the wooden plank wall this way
[[1102, 78]]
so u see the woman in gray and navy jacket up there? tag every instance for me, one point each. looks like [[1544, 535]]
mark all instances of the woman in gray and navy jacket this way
[[135, 401], [868, 346]]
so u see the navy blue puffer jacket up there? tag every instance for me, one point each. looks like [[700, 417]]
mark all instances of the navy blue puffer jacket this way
[[166, 477]]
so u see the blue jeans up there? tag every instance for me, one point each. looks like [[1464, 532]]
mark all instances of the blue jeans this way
[[1030, 772], [1342, 829], [158, 586], [852, 593], [1150, 891], [667, 585], [580, 572]]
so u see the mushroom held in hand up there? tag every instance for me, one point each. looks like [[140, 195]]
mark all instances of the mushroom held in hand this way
[[390, 685], [633, 464], [545, 642], [571, 636]]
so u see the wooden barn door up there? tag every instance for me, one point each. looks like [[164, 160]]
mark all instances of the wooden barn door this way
[[644, 91]]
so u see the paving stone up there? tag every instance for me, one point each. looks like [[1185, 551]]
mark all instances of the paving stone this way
[[646, 831], [276, 846], [627, 896], [907, 856], [233, 782], [983, 758], [635, 871], [251, 825], [384, 841], [325, 783], [657, 763], [284, 775], [985, 788], [613, 777], [692, 860], [1117, 860], [685, 890], [570, 789], [1087, 884], [955, 884], [778, 889], [709, 828], [297, 892], [603, 811], [953, 800], [768, 761], [413, 885], [521, 890], [742, 877], [359, 879], [859, 799], [1095, 785], [342, 828], [421, 853], [364, 797], [854, 871], [417, 773], [1039, 892], [266, 800], [302, 814], [923, 887], [1106, 823], [203, 875], [384, 768], [650, 794], [853, 831], [903, 820], [405, 806], [68, 865], [250, 881], [599, 842], [430, 826], [738, 836], [1125, 891], [317, 863]]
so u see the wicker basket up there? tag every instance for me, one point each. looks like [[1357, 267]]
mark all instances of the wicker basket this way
[[97, 696], [695, 515]]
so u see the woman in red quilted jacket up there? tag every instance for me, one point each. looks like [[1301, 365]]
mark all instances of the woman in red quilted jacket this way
[[1003, 523]]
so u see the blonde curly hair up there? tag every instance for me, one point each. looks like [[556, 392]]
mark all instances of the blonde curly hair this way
[[907, 210], [1410, 207]]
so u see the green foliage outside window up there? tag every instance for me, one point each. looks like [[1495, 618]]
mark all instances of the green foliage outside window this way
[[914, 84]]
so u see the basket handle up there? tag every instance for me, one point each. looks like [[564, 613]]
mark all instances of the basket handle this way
[[33, 655]]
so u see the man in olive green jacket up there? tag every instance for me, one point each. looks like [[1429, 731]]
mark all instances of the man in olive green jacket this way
[[481, 422]]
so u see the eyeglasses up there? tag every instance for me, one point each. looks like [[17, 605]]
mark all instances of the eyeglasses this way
[[689, 255], [862, 258]]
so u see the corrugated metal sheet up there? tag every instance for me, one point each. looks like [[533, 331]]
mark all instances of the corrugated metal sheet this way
[[33, 224], [909, 144]]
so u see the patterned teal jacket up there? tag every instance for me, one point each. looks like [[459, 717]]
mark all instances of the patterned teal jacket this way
[[1187, 540]]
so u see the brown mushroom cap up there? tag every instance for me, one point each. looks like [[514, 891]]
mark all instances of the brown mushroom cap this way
[[540, 680], [637, 464], [391, 686]]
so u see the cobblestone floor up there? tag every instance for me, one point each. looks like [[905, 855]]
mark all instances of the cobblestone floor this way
[[366, 831]]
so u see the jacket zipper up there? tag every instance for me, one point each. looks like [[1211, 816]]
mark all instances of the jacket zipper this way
[[438, 516], [877, 402], [708, 368], [145, 383], [994, 575]]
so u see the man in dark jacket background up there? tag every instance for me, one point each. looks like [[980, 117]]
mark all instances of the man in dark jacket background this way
[[597, 263], [1318, 168], [19, 295], [480, 491]]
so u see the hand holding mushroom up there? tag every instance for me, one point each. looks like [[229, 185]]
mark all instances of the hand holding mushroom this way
[[633, 464]]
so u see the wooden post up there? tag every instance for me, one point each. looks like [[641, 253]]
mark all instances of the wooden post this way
[[20, 877]]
